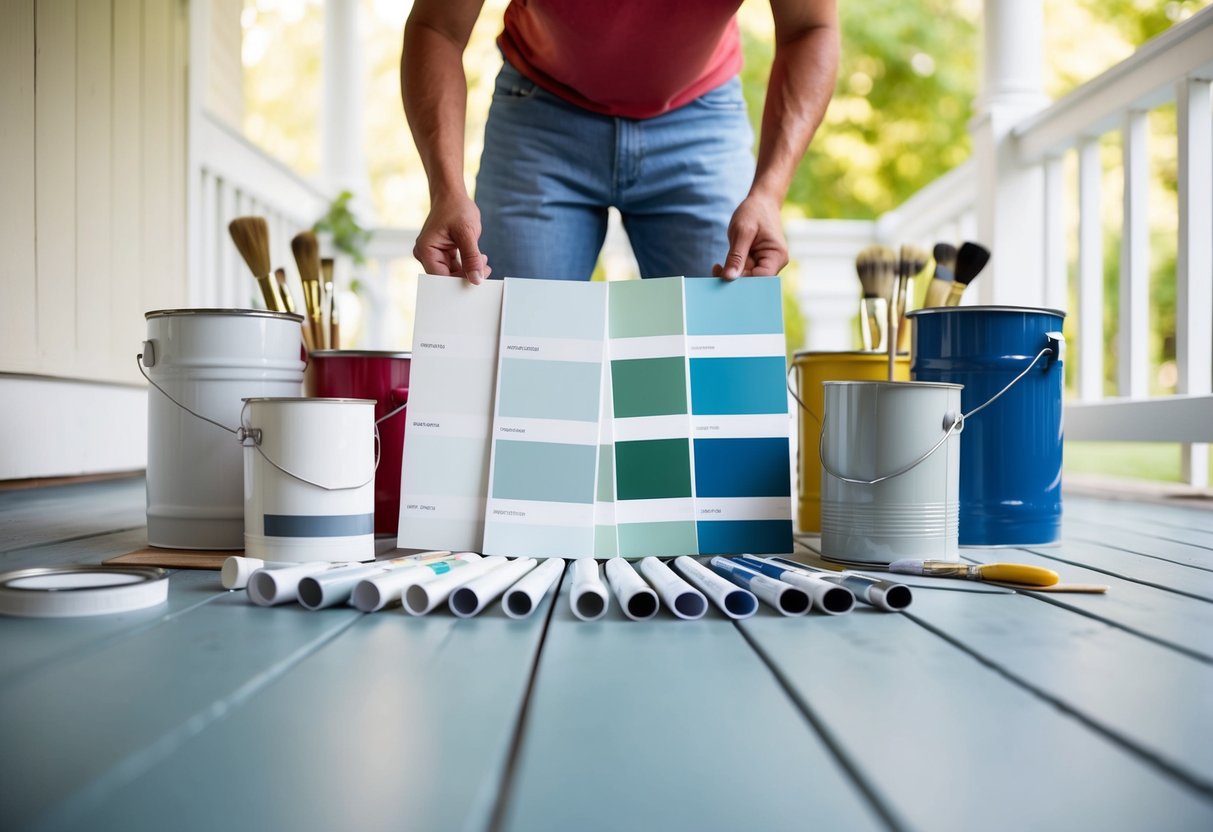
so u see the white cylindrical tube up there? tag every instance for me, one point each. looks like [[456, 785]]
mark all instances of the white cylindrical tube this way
[[337, 585], [785, 598], [422, 597], [267, 587], [373, 593], [588, 597], [684, 600], [524, 596], [237, 570], [637, 598], [472, 597], [828, 597], [733, 601]]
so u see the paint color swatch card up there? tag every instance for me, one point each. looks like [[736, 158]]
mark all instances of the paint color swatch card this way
[[445, 470], [606, 543], [739, 415], [654, 484], [544, 472]]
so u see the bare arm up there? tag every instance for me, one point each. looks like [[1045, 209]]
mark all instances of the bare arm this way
[[434, 90], [799, 90]]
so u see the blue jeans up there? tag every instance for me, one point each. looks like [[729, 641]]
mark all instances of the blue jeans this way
[[550, 170]]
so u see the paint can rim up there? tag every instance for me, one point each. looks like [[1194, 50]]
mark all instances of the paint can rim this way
[[231, 313]]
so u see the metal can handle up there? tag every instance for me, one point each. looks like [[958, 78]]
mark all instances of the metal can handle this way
[[250, 437]]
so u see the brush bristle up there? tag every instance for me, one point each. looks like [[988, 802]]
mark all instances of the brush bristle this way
[[252, 238], [913, 260], [326, 270], [970, 260], [877, 267], [945, 260], [307, 256]]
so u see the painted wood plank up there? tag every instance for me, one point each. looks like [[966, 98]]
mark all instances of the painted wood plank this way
[[18, 313], [1153, 514], [93, 164], [55, 167], [1090, 272], [1147, 545], [669, 724], [178, 74], [1132, 338], [1056, 279], [1175, 620], [1094, 670], [29, 646], [408, 720], [126, 304], [117, 711], [911, 710], [1111, 560], [64, 512], [158, 286]]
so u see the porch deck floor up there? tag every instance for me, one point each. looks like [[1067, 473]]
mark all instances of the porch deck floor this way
[[978, 708]]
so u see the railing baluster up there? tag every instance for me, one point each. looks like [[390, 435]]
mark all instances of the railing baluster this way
[[1194, 263], [1133, 339], [229, 259], [1090, 272], [1055, 278], [213, 237]]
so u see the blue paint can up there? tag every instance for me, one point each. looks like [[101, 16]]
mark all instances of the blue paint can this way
[[1011, 447]]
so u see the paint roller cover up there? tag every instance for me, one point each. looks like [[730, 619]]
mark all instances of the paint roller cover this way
[[649, 387], [653, 469]]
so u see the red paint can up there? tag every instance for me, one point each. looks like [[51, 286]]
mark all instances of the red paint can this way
[[384, 377]]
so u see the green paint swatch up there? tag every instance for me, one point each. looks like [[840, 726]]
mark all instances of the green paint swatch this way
[[641, 540], [653, 469], [605, 543], [606, 474], [649, 386], [640, 308], [545, 471]]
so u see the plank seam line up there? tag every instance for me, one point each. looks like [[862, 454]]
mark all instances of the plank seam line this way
[[134, 765], [510, 773], [1081, 539], [105, 641], [60, 541], [1130, 578], [1151, 531], [1176, 527], [1205, 789], [882, 809]]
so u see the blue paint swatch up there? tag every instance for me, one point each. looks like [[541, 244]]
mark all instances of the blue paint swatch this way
[[742, 468], [747, 306], [738, 386], [754, 537]]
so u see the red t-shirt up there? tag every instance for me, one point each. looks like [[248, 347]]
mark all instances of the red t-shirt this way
[[632, 58]]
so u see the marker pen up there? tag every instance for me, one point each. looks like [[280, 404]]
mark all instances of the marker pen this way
[[785, 598]]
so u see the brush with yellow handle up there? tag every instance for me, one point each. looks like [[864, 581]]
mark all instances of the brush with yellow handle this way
[[288, 305], [333, 331], [252, 238], [307, 258], [1004, 573]]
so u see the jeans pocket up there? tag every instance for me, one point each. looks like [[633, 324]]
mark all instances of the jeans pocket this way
[[727, 97], [511, 83]]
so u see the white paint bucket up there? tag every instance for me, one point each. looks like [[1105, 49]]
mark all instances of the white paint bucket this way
[[309, 479], [890, 484], [205, 362]]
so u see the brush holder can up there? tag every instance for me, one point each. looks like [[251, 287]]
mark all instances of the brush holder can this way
[[1011, 452], [309, 479], [890, 482], [201, 364]]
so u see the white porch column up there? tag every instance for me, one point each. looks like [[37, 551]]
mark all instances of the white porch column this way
[[1010, 198], [343, 161]]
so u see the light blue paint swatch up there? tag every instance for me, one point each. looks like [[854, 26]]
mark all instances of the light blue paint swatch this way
[[544, 471], [554, 309], [746, 306], [738, 386], [534, 389]]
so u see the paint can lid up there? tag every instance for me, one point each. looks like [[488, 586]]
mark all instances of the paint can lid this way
[[358, 354], [234, 313], [73, 591], [312, 399], [955, 310]]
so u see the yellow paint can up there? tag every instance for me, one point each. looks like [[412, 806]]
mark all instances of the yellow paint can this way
[[810, 370]]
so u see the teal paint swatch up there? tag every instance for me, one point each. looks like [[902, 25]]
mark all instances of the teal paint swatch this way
[[536, 389], [649, 386], [738, 386], [746, 306], [653, 469], [668, 539], [554, 309], [644, 308], [544, 471]]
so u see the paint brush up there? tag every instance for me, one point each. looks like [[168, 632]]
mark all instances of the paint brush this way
[[252, 238], [945, 271], [913, 264], [307, 258], [874, 265], [288, 305], [330, 297], [1003, 573], [970, 260]]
